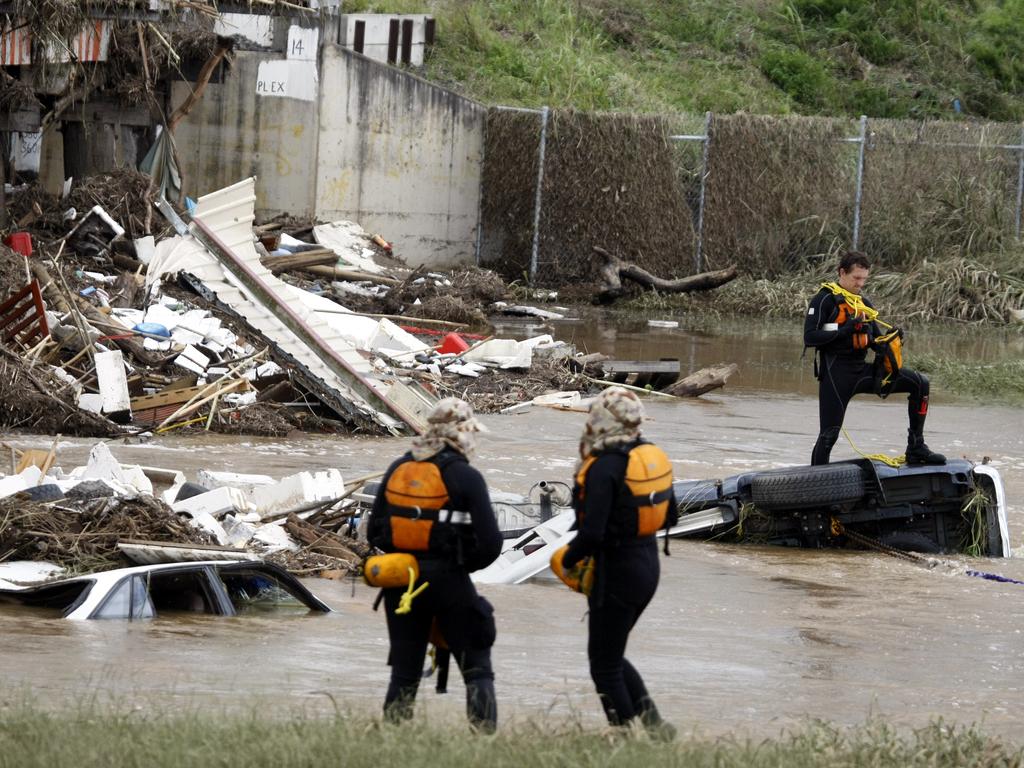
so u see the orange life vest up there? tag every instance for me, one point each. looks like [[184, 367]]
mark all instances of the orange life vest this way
[[416, 499], [649, 480], [860, 339]]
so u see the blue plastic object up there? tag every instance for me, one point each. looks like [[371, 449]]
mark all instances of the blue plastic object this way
[[154, 329]]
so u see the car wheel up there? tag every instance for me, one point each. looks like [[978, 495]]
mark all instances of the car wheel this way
[[806, 487], [910, 541]]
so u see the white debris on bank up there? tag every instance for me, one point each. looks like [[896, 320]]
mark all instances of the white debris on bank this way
[[244, 512]]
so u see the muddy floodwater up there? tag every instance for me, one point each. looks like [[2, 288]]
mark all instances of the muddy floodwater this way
[[738, 639]]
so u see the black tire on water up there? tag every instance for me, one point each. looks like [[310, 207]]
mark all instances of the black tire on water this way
[[808, 487]]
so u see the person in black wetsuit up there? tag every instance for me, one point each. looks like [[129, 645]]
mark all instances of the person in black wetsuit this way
[[434, 505], [842, 340], [616, 524]]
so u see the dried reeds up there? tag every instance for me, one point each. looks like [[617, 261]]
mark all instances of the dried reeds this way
[[82, 535], [778, 190], [36, 400]]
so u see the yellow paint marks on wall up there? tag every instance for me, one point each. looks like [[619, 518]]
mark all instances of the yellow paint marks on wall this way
[[335, 194], [298, 130]]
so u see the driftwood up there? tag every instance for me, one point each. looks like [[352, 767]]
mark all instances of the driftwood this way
[[702, 381], [334, 273], [613, 270], [319, 540], [321, 257]]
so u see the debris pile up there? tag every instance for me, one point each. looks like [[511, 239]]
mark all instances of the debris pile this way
[[220, 324], [105, 515]]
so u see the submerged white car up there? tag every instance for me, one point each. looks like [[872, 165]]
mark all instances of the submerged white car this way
[[215, 587]]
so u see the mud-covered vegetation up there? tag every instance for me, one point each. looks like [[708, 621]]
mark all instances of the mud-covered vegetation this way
[[923, 59]]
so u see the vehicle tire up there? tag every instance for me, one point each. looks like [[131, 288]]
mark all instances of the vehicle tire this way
[[806, 487], [910, 541]]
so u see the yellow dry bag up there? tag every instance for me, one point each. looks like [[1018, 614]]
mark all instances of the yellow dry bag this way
[[579, 578], [391, 570]]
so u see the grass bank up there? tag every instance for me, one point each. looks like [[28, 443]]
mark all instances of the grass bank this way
[[1001, 381], [920, 59], [31, 737], [956, 290]]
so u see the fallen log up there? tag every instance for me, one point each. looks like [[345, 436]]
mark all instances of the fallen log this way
[[612, 271], [702, 381], [322, 257], [334, 273]]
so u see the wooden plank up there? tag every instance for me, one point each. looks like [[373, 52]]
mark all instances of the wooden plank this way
[[641, 366], [160, 399]]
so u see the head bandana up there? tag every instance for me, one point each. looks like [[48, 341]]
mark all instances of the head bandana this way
[[614, 420], [450, 424]]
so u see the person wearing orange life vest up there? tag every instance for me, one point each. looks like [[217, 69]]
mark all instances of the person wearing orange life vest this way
[[622, 496], [842, 338], [435, 506]]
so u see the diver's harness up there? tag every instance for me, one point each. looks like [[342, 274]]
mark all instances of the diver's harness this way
[[888, 347], [415, 496], [649, 480]]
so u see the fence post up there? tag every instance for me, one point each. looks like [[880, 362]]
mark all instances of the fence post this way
[[1020, 181], [540, 184], [863, 140], [699, 256]]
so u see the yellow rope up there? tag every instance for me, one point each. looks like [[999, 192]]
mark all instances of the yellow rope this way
[[892, 461], [856, 303], [405, 602]]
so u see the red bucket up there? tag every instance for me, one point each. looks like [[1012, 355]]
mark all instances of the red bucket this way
[[453, 343], [20, 242]]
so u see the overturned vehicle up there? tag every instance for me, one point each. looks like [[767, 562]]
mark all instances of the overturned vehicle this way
[[957, 507]]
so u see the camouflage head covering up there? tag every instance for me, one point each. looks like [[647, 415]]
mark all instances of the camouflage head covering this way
[[449, 424], [615, 419]]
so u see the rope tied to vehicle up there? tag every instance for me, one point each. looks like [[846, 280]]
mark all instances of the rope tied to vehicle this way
[[838, 529], [892, 461]]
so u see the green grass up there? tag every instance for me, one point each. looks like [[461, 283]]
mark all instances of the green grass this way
[[1002, 381], [883, 58], [90, 737]]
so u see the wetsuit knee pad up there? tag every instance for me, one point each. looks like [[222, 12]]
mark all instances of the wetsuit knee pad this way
[[828, 437]]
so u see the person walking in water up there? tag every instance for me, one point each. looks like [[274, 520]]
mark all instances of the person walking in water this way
[[841, 326], [433, 505], [622, 496]]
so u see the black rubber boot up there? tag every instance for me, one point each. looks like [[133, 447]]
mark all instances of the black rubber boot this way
[[918, 451], [481, 705], [658, 729]]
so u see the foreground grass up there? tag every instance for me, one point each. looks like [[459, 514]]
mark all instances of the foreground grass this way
[[918, 59], [31, 737]]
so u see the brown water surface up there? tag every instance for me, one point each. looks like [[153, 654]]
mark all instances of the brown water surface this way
[[738, 638]]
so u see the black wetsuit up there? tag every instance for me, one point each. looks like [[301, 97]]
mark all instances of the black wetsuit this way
[[843, 371], [625, 580], [464, 618]]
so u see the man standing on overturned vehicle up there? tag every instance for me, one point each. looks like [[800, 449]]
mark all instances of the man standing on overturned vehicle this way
[[842, 325]]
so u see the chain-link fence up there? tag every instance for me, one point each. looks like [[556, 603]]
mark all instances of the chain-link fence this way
[[682, 194]]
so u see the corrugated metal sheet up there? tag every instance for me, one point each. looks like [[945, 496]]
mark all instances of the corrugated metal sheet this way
[[228, 215]]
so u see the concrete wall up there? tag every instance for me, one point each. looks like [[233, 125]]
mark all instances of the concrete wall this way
[[363, 141], [400, 156], [235, 132]]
